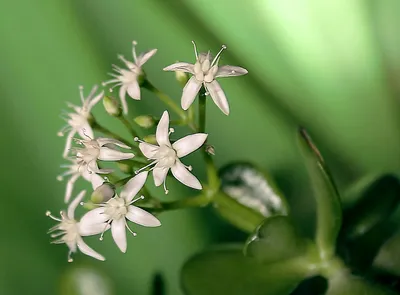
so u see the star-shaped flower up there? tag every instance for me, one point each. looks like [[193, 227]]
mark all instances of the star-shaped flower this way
[[128, 78], [69, 231], [166, 156], [75, 170], [119, 209], [204, 72], [78, 120]]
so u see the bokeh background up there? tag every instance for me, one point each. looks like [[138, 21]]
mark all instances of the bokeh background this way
[[331, 66]]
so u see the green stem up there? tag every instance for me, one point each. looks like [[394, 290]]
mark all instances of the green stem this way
[[198, 201], [128, 126], [108, 132]]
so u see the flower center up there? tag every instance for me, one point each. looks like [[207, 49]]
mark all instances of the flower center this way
[[116, 208], [90, 152], [166, 157], [78, 120], [205, 69]]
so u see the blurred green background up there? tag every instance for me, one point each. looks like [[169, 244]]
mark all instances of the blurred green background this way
[[331, 66]]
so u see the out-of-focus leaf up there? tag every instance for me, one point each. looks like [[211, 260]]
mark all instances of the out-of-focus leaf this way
[[388, 258], [85, 280], [251, 189], [274, 240], [228, 271], [347, 284], [329, 212], [158, 285]]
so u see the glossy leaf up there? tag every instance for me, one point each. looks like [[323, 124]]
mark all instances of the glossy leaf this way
[[274, 240], [228, 271], [329, 213], [347, 284], [251, 189]]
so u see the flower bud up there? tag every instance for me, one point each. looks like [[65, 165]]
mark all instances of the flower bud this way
[[125, 168], [181, 77], [150, 139], [103, 193], [112, 107], [145, 121]]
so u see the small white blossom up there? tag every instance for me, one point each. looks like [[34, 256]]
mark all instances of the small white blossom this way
[[78, 120], [74, 171], [128, 78], [69, 231], [204, 72], [119, 209], [166, 156], [103, 149]]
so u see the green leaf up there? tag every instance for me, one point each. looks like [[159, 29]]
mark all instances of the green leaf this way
[[85, 279], [228, 271], [388, 258], [347, 284], [329, 213], [274, 240], [251, 192]]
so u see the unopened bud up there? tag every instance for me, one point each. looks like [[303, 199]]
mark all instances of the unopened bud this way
[[103, 193], [150, 139], [182, 77], [145, 121], [125, 168], [112, 106]]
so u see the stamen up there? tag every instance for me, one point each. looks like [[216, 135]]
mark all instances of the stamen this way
[[218, 55], [104, 230], [147, 166], [134, 43], [92, 93], [60, 178], [127, 226], [48, 214], [137, 199], [137, 139], [171, 130], [57, 234], [165, 186], [81, 94], [69, 257], [195, 50]]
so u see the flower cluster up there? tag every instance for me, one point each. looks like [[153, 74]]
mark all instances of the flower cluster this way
[[109, 209]]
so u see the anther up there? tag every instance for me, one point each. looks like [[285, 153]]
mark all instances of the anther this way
[[60, 134], [134, 42], [48, 213], [190, 168], [60, 178]]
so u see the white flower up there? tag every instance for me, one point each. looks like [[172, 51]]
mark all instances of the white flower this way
[[100, 149], [128, 78], [75, 170], [204, 72], [119, 208], [77, 121], [166, 156], [69, 231]]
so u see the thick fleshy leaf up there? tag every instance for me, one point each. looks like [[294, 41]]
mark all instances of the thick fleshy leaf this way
[[118, 233], [162, 132], [230, 71], [72, 206], [181, 173], [247, 187], [275, 240], [329, 212], [107, 154], [218, 96], [180, 66], [189, 144], [347, 284], [133, 186], [142, 217], [189, 93], [228, 271]]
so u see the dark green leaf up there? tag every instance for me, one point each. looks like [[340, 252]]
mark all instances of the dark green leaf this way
[[274, 240], [249, 187], [228, 271], [329, 213]]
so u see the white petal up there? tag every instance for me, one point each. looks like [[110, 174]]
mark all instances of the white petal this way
[[74, 204], [230, 71], [188, 144], [218, 96], [133, 186], [183, 175], [189, 93], [70, 187], [119, 234], [92, 229], [94, 168], [93, 217], [122, 96], [107, 154], [159, 175], [68, 143], [86, 132], [96, 180], [134, 90], [142, 217], [148, 150], [103, 141], [144, 57], [95, 100], [85, 249], [181, 66], [162, 132]]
